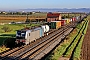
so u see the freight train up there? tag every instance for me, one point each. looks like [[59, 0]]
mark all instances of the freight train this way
[[27, 36]]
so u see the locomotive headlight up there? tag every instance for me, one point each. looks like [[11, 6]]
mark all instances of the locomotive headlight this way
[[16, 41]]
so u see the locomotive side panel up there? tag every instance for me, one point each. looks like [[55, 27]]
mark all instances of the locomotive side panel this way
[[34, 35]]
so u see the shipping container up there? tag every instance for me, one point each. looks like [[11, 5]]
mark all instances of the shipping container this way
[[41, 31], [77, 18], [55, 24], [70, 20], [62, 22], [51, 19], [65, 21], [49, 24], [59, 24], [45, 27], [74, 19]]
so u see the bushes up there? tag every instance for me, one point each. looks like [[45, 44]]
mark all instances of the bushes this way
[[3, 48], [6, 29]]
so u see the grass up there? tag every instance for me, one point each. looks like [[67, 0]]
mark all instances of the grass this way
[[77, 52], [70, 49], [78, 48], [3, 48], [70, 15], [61, 49], [14, 27]]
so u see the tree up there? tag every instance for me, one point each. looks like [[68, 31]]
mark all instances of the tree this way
[[30, 13], [63, 17], [6, 29], [27, 20]]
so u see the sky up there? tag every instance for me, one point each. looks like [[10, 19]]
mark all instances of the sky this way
[[25, 4]]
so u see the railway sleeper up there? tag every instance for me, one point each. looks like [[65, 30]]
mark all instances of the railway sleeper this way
[[49, 45], [48, 49]]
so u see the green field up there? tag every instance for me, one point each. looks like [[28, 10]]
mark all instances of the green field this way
[[12, 30], [70, 15]]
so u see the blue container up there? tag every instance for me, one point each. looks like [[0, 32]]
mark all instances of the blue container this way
[[41, 31]]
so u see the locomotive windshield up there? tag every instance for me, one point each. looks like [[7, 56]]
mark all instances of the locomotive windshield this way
[[21, 34]]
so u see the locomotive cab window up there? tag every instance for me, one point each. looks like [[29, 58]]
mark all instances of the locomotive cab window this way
[[19, 32]]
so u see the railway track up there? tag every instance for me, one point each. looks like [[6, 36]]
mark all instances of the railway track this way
[[33, 49], [30, 51], [41, 47], [18, 48], [31, 44]]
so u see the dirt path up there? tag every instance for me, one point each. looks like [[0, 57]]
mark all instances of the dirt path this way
[[85, 54]]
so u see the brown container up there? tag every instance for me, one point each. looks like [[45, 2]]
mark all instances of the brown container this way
[[50, 19]]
